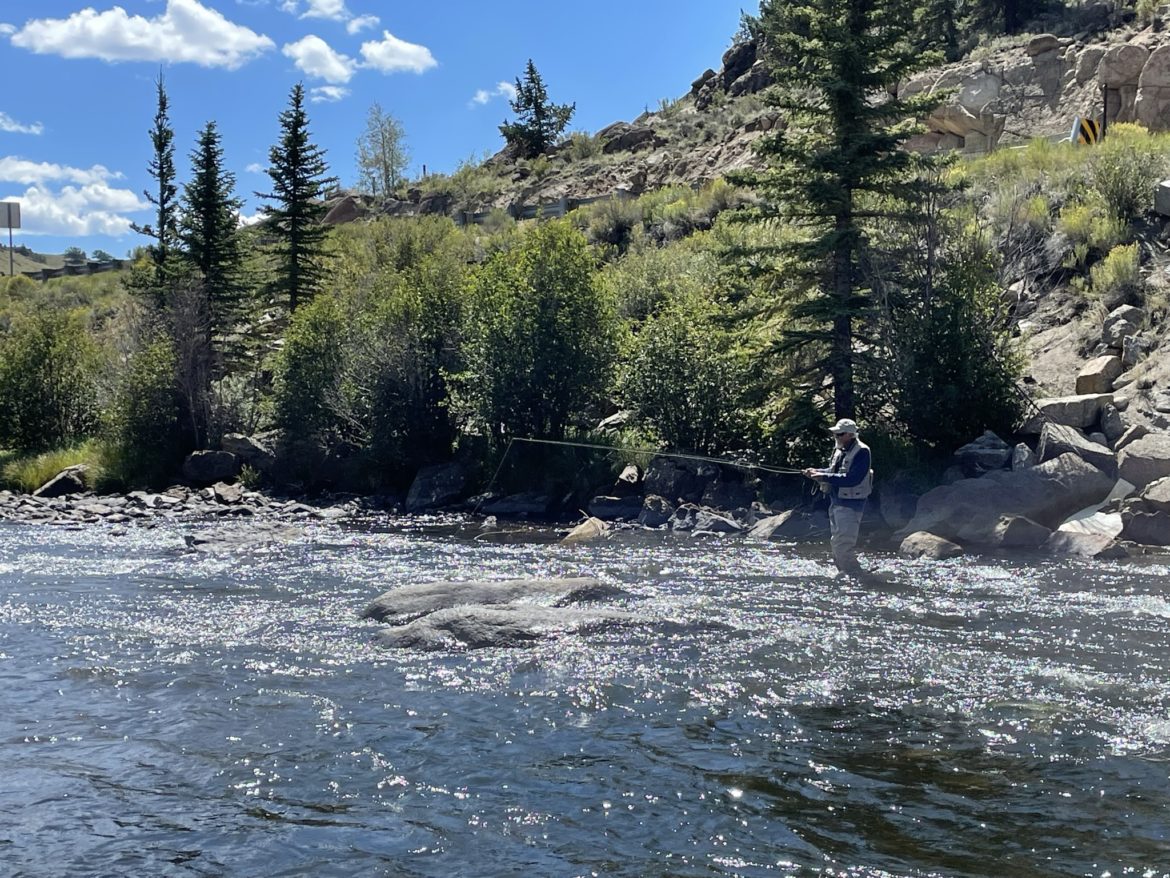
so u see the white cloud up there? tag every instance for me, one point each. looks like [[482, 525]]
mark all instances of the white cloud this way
[[327, 94], [362, 22], [256, 168], [316, 58], [7, 123], [77, 211], [7, 29], [392, 55], [250, 220], [26, 173], [502, 90], [185, 32], [334, 10]]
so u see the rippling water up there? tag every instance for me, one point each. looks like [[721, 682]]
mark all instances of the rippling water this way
[[171, 713]]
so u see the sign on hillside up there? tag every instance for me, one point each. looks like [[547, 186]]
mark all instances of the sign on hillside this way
[[1085, 131]]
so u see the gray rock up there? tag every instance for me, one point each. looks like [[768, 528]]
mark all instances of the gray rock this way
[[1121, 323], [1084, 545], [1146, 526], [728, 493], [436, 486], [508, 626], [589, 529], [1042, 43], [984, 454], [922, 544], [679, 481], [791, 526], [407, 602], [68, 481], [1156, 495], [528, 504], [1018, 532], [226, 494], [709, 521], [1080, 411], [1056, 440], [1133, 348], [250, 451], [1023, 457], [209, 467], [1098, 375], [1145, 460], [616, 508], [1047, 493], [1112, 423], [1131, 434], [656, 512]]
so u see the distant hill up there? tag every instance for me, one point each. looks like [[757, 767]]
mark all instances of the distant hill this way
[[25, 259]]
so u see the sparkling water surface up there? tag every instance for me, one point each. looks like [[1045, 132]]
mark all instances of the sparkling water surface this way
[[165, 712]]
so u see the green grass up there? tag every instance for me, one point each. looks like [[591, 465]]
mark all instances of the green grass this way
[[28, 472]]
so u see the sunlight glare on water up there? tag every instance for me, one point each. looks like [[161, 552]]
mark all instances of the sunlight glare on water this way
[[170, 712]]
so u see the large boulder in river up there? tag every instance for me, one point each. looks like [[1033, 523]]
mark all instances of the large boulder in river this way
[[969, 510], [1018, 532], [1145, 460], [204, 468], [508, 625], [927, 545], [409, 602]]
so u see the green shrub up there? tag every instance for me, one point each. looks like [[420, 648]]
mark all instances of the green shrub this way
[[611, 221], [48, 367], [1124, 169], [144, 438], [1117, 278], [1090, 230], [644, 280], [311, 399], [583, 145], [684, 376], [538, 342]]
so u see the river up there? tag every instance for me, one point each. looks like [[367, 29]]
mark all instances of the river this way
[[165, 712]]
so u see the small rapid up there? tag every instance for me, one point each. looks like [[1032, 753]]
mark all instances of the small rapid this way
[[168, 712]]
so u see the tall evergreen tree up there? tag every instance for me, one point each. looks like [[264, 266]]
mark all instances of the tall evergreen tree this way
[[839, 162], [299, 181], [165, 230], [208, 229], [539, 122]]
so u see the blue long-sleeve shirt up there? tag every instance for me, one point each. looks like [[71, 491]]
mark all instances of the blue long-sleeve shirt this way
[[852, 477]]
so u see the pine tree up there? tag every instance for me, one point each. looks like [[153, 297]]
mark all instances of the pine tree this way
[[298, 171], [162, 168], [209, 231], [381, 155], [839, 162], [539, 123]]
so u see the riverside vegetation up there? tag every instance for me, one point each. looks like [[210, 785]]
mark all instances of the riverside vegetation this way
[[735, 319]]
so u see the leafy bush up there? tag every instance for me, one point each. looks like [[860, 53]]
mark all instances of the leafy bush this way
[[644, 280], [538, 342], [685, 377], [1090, 230], [48, 365], [142, 427], [1117, 278], [312, 397], [583, 145], [1125, 167]]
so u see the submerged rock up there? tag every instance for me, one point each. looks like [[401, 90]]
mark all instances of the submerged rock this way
[[409, 602], [508, 625]]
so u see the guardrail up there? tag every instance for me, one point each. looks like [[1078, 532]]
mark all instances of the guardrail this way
[[75, 270]]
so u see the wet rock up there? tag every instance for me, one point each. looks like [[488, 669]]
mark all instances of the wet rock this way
[[708, 521], [969, 510], [1084, 545], [528, 504], [507, 626], [589, 529], [1018, 532], [615, 508], [656, 511], [1145, 460], [922, 544], [436, 486], [68, 481], [209, 467], [1056, 439], [790, 526], [402, 604]]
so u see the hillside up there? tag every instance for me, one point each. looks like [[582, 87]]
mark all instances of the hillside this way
[[24, 259]]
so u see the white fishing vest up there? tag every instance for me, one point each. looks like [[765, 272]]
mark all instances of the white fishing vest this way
[[859, 491]]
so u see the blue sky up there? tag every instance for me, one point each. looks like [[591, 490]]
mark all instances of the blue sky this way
[[78, 96]]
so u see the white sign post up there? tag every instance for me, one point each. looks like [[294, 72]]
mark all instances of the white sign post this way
[[10, 215]]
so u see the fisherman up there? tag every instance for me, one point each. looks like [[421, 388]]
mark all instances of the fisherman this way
[[849, 480]]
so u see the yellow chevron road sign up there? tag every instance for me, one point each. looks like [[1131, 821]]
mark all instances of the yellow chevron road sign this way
[[1085, 131]]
